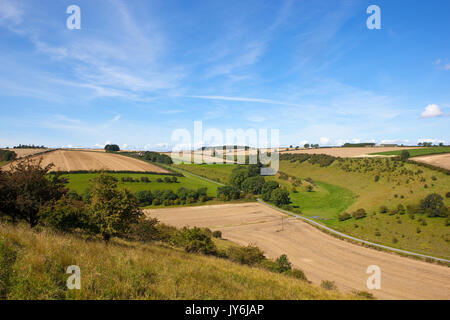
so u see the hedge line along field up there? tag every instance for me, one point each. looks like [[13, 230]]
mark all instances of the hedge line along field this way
[[79, 182], [35, 263], [415, 152]]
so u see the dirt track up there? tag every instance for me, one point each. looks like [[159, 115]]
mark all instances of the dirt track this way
[[319, 255], [85, 160], [438, 160]]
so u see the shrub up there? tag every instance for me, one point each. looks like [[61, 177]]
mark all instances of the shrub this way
[[167, 180], [197, 240], [159, 180], [309, 188], [384, 209], [377, 177], [297, 274], [217, 234], [328, 285], [359, 214], [401, 209], [404, 155], [156, 202], [432, 204], [344, 216], [249, 255], [26, 188], [144, 197], [447, 195], [174, 179], [283, 263], [145, 230], [111, 211], [145, 179], [65, 214], [280, 197]]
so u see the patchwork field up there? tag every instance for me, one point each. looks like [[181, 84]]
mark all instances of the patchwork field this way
[[65, 160], [321, 256], [349, 152], [439, 160]]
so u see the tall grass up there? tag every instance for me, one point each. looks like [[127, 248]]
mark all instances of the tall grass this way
[[33, 265]]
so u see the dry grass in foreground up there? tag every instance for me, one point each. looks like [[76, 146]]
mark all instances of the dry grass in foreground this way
[[33, 265]]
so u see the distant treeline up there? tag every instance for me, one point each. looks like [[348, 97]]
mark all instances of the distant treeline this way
[[156, 157], [358, 145], [29, 146]]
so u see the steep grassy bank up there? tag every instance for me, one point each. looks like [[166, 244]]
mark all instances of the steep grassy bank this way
[[33, 265]]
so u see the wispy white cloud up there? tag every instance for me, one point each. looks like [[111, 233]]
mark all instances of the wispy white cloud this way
[[10, 12], [244, 99]]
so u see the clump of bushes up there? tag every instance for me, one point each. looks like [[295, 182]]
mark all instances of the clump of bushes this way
[[359, 214], [344, 216], [328, 285], [168, 197]]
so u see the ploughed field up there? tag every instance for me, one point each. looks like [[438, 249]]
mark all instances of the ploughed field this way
[[319, 255], [65, 160]]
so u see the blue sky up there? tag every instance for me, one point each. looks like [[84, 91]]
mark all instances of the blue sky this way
[[137, 70]]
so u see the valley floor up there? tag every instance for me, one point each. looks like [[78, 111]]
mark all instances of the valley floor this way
[[319, 255]]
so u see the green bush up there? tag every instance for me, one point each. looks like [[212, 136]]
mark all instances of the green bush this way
[[359, 214], [283, 263], [197, 240], [344, 216], [145, 230], [65, 214], [384, 209], [328, 285], [217, 234], [249, 255]]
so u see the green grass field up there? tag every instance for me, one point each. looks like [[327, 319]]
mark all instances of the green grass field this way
[[326, 200], [217, 172], [417, 152], [80, 181]]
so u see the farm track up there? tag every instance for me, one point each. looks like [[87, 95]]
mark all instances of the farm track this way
[[320, 255]]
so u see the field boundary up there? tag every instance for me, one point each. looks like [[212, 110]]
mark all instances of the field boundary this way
[[340, 234]]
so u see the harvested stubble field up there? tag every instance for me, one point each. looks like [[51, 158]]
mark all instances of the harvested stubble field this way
[[319, 255], [440, 160], [348, 152], [65, 160]]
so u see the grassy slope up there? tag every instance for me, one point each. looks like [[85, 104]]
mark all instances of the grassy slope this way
[[80, 181], [217, 172], [417, 152], [130, 270]]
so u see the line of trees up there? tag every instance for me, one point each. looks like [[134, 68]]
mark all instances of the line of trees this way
[[169, 197], [7, 155]]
